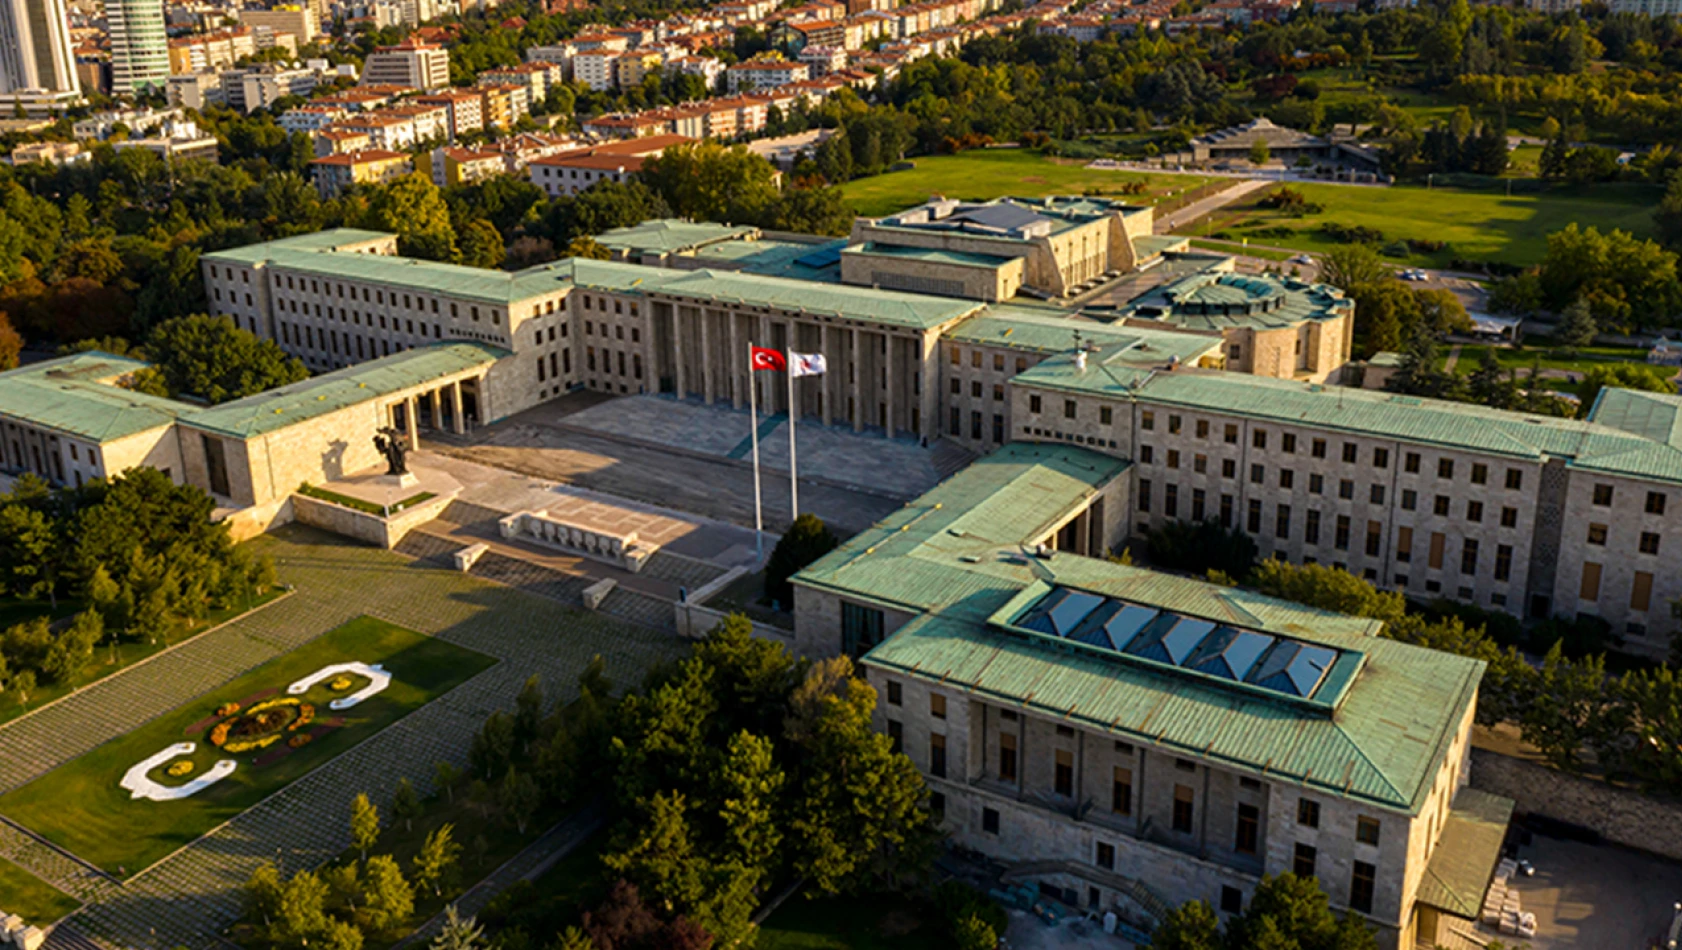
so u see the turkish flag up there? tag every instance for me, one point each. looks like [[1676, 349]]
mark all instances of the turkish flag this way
[[768, 360]]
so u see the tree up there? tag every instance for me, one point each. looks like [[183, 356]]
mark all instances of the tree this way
[[412, 208], [1347, 266], [437, 859], [302, 911], [588, 248], [364, 824], [806, 540], [1668, 214], [1654, 699], [712, 182], [1290, 911], [1577, 327], [1568, 711], [1328, 588], [1201, 546], [213, 359], [1259, 153], [528, 712], [11, 344], [481, 245], [1619, 376], [1491, 385], [262, 893], [493, 746], [519, 797], [973, 933], [29, 553], [387, 898], [656, 855], [405, 804], [1190, 926], [444, 776], [23, 683], [459, 933], [750, 782]]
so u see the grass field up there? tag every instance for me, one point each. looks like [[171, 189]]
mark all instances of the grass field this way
[[984, 174], [80, 807], [1587, 358], [106, 659], [31, 898], [1476, 225], [882, 922]]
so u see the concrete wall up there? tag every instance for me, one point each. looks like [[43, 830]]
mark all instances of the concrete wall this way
[[1621, 816], [247, 523], [974, 281], [695, 621], [382, 532]]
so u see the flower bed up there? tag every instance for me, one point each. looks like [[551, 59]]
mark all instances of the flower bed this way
[[261, 725], [180, 769]]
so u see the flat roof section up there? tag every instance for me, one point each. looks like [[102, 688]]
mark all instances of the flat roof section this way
[[671, 236]]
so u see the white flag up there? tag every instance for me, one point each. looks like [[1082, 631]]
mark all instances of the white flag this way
[[806, 364]]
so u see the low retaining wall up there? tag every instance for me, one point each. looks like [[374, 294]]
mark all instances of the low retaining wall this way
[[247, 523], [695, 621], [1620, 815], [373, 529]]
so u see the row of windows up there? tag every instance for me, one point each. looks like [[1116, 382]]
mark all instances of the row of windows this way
[[975, 359]]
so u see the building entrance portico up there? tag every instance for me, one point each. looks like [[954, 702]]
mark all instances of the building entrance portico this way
[[453, 407]]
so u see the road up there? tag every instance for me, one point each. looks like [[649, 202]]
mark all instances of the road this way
[[1165, 224]]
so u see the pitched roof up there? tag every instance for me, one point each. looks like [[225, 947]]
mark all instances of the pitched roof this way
[[79, 396], [1464, 863]]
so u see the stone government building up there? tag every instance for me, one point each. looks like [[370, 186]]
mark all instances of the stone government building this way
[[1127, 738]]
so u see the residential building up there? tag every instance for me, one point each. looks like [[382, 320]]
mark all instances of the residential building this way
[[534, 77], [460, 166], [53, 153], [413, 64], [139, 46], [177, 139], [303, 22], [195, 90], [210, 51], [823, 60], [504, 105], [37, 57], [568, 173], [465, 110], [258, 87], [757, 74], [311, 117], [335, 173]]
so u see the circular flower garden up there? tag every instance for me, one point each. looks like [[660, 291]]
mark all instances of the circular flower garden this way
[[261, 725]]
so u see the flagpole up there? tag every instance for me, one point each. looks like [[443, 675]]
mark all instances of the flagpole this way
[[753, 428], [793, 479]]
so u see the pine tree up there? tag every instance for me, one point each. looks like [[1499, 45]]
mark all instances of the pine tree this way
[[364, 824], [464, 933], [528, 713], [1577, 327]]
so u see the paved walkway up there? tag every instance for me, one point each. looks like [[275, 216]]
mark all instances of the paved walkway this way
[[190, 897], [528, 865], [1453, 358], [1166, 224]]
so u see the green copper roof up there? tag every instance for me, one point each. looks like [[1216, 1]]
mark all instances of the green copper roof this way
[[932, 255], [266, 412], [1464, 862], [1042, 332], [328, 240], [915, 311], [670, 235], [1655, 416], [1220, 301], [954, 559], [79, 396]]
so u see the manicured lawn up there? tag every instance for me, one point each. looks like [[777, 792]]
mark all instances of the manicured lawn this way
[[983, 174], [31, 898], [1234, 247], [882, 922], [1476, 225], [106, 659], [80, 806], [1587, 358]]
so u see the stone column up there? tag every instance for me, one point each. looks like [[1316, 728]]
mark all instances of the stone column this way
[[737, 395], [930, 376], [888, 378], [706, 356], [457, 419], [484, 392], [826, 384], [677, 344], [435, 404], [858, 389], [411, 413]]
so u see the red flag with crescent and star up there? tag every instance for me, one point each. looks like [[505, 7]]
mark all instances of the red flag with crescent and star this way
[[768, 360]]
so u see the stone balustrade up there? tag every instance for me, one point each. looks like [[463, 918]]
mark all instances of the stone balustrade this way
[[541, 527], [14, 933]]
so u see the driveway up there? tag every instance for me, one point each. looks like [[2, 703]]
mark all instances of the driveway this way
[[1596, 897]]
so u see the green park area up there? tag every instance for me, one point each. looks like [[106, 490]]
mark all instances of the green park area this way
[[272, 738], [31, 898], [984, 174], [879, 922], [1473, 225]]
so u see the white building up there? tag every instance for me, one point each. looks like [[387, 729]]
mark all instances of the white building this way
[[413, 64], [766, 74], [37, 60]]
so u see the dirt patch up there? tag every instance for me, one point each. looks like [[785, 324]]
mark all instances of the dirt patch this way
[[1034, 180]]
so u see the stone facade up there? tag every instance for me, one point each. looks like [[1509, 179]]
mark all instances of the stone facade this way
[[1620, 815]]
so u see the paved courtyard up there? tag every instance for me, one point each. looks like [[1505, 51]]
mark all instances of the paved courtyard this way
[[693, 458], [188, 898], [1596, 897]]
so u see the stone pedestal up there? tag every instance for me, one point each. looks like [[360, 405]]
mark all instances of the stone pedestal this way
[[405, 480]]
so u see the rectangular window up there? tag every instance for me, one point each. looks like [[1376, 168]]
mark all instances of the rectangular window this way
[[1311, 528], [1258, 438], [1068, 409], [1229, 468], [1503, 562], [1232, 900], [1105, 415], [1147, 420], [1230, 434], [1282, 522], [1641, 592], [1226, 511], [1361, 881], [1649, 542], [1410, 463], [1351, 451], [1287, 477], [894, 693], [1253, 523], [1316, 483], [1007, 756], [1434, 560], [1375, 495], [1375, 538], [1515, 479], [1105, 858], [1603, 496], [1197, 504], [1302, 862], [1655, 502], [1147, 454], [1341, 540], [1380, 458], [1034, 403], [1346, 490], [1474, 512], [1144, 494], [1202, 428], [1288, 443], [1174, 425], [1469, 556], [861, 628], [1410, 499], [1404, 544], [896, 734], [1366, 830], [1121, 791], [1171, 500], [990, 820], [1258, 474], [1063, 773], [1509, 517], [1200, 464], [1173, 458], [1445, 468], [1590, 588], [1308, 813], [1597, 535], [937, 706], [937, 755], [1249, 830], [1480, 473], [1183, 799], [1318, 448]]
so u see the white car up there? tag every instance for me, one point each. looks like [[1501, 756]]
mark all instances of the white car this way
[[1301, 259], [1414, 273]]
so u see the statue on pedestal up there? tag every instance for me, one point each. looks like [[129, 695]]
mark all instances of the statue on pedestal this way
[[390, 444]]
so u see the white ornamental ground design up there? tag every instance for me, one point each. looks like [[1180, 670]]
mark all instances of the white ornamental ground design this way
[[139, 786], [378, 678]]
